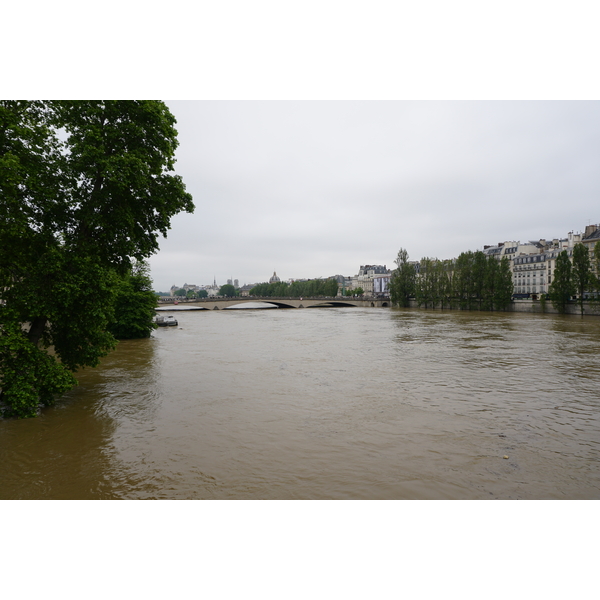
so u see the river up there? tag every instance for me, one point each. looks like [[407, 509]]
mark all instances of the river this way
[[325, 403]]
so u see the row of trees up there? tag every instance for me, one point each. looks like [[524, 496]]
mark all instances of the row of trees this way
[[86, 188], [471, 281], [576, 278], [312, 288], [183, 293], [226, 290], [474, 280]]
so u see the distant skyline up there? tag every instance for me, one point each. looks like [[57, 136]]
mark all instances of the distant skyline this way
[[315, 188]]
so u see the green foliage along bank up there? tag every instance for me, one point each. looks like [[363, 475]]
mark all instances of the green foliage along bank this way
[[313, 288], [75, 215], [472, 281], [134, 304], [227, 290]]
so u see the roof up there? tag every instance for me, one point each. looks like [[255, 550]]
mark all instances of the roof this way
[[595, 235]]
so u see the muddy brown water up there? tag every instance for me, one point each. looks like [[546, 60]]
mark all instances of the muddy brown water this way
[[336, 403]]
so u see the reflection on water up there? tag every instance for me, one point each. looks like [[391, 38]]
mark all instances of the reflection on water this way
[[325, 403]]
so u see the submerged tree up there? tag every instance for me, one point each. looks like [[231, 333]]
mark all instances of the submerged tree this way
[[561, 289], [134, 304], [74, 215], [504, 285], [581, 271], [463, 279], [402, 283]]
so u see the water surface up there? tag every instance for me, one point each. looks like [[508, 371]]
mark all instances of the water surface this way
[[340, 403]]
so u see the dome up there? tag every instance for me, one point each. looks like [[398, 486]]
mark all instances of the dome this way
[[274, 279]]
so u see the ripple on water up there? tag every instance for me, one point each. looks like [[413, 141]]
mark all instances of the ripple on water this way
[[325, 403]]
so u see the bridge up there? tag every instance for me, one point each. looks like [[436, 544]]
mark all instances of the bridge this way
[[219, 303]]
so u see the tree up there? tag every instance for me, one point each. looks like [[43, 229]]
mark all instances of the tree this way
[[331, 287], [444, 268], [595, 275], [402, 283], [202, 294], [463, 279], [504, 285], [74, 215], [480, 267], [181, 293], [561, 289], [227, 290], [581, 271], [134, 304], [426, 289]]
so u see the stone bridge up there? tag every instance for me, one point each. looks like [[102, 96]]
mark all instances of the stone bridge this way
[[220, 303]]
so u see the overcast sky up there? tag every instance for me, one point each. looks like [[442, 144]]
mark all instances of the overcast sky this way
[[316, 188]]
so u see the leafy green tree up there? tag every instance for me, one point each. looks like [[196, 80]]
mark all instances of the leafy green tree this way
[[504, 285], [74, 214], [463, 280], [227, 290], [202, 294], [595, 274], [427, 290], [444, 278], [581, 271], [259, 290], [480, 268], [180, 293], [562, 288], [490, 282], [331, 287], [134, 304], [402, 283]]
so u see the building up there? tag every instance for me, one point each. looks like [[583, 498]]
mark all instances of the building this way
[[245, 289], [532, 274], [381, 285], [274, 278], [366, 276], [590, 237]]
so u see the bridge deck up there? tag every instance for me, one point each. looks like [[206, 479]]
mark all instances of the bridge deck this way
[[220, 303]]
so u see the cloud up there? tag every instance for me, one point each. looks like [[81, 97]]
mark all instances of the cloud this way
[[316, 188]]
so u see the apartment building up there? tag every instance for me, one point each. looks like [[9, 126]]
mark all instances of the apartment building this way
[[366, 276]]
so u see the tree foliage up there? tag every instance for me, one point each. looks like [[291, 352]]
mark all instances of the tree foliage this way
[[402, 283], [561, 289], [355, 292], [595, 274], [227, 290], [472, 281], [581, 272], [74, 216], [313, 288], [134, 304]]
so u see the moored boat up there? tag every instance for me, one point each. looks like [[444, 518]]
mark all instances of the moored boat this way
[[167, 321]]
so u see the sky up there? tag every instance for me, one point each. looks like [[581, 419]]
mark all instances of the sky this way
[[317, 188]]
